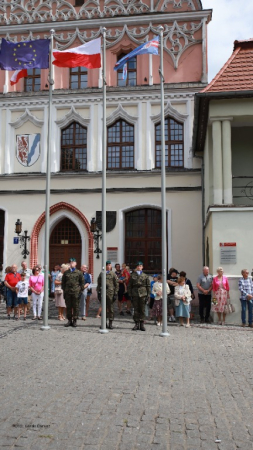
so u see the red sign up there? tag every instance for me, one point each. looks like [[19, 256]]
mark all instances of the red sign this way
[[227, 244]]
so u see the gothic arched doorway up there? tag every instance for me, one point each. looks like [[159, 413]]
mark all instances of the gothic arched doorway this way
[[65, 242]]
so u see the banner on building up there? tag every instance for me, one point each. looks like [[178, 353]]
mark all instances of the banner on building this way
[[28, 149]]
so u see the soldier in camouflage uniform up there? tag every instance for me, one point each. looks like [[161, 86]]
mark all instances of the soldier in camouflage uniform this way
[[73, 286], [112, 287], [139, 289]]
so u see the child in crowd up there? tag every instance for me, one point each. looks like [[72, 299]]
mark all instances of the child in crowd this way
[[126, 277], [22, 294], [158, 299], [152, 296]]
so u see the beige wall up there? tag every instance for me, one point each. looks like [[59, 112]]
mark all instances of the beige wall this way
[[184, 219], [231, 107], [231, 225]]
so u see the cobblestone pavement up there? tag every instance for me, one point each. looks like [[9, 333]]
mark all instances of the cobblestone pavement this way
[[78, 389]]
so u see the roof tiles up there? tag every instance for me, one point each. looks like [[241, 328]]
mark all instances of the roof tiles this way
[[237, 72]]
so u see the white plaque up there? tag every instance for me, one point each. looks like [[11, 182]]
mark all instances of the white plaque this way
[[228, 252], [112, 255]]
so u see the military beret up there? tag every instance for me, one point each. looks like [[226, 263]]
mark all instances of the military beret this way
[[108, 262], [139, 263], [72, 259]]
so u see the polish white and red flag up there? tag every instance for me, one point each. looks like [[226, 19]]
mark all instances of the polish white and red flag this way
[[86, 55], [18, 74]]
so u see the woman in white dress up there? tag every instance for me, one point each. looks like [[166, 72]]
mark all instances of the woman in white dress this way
[[182, 301], [59, 300]]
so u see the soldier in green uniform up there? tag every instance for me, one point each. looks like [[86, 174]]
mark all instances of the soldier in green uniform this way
[[72, 285], [139, 289], [112, 287]]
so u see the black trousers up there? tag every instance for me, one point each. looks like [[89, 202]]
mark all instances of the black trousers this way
[[204, 304]]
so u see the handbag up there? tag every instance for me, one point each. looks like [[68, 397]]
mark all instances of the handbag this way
[[229, 308], [58, 290]]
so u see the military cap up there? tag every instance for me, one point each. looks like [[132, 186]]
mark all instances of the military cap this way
[[139, 263], [108, 262], [72, 259]]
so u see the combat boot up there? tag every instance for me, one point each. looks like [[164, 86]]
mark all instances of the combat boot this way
[[69, 324], [136, 327], [142, 328], [110, 325], [74, 323]]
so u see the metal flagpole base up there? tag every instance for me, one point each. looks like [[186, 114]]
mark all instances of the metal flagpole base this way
[[103, 331], [164, 334], [45, 327]]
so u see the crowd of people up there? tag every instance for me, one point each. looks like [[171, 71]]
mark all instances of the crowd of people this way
[[25, 287], [135, 294]]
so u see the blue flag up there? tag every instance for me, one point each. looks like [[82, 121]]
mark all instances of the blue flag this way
[[24, 55], [147, 47]]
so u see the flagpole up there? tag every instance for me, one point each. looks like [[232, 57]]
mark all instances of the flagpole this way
[[45, 325], [164, 332], [103, 299]]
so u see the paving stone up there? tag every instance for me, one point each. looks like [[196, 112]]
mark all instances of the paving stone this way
[[124, 390]]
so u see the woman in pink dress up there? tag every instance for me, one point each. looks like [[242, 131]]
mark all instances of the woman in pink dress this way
[[220, 294], [36, 283]]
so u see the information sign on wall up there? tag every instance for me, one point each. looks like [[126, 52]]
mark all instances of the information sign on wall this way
[[228, 253], [112, 254]]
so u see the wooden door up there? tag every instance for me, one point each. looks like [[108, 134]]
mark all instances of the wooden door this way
[[65, 243], [143, 239]]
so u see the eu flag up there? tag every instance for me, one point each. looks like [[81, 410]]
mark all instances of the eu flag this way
[[147, 47], [24, 55]]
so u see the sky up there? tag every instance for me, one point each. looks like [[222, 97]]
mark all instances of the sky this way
[[231, 20]]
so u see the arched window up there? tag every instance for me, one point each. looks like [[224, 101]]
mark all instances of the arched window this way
[[120, 146], [130, 77], [143, 239], [32, 81], [74, 148], [174, 143]]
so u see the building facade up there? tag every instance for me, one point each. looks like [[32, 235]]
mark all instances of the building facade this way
[[133, 135], [223, 136]]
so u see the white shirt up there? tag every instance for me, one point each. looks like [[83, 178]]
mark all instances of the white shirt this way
[[22, 287]]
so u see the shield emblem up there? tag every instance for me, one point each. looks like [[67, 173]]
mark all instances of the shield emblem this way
[[111, 218], [28, 149]]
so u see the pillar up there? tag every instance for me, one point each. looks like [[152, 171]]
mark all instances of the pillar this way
[[227, 162], [217, 163]]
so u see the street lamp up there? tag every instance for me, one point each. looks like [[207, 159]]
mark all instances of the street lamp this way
[[22, 239], [96, 235]]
